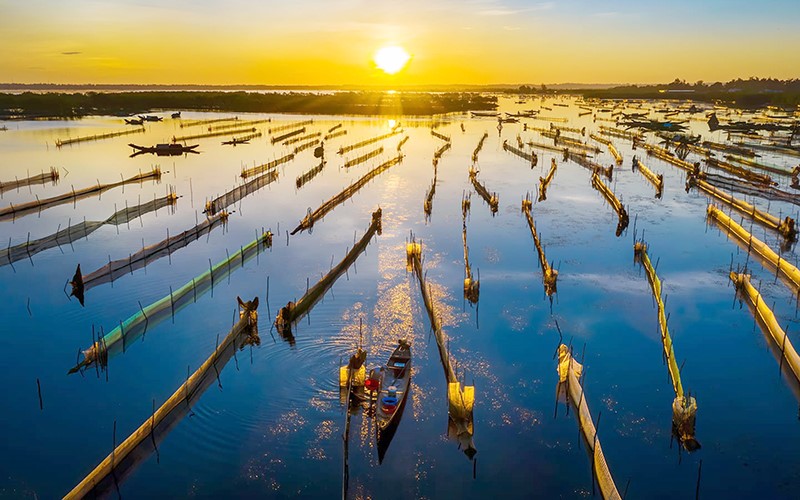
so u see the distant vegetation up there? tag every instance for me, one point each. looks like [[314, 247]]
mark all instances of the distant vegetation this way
[[753, 92], [73, 105]]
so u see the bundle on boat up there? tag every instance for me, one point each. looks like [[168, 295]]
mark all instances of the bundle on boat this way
[[529, 157], [612, 200], [310, 218], [367, 142], [82, 230], [97, 137], [491, 199], [238, 193], [479, 147], [153, 314], [740, 172], [293, 311], [549, 274], [590, 165], [260, 169], [684, 406], [238, 131], [656, 180], [785, 227], [569, 387], [780, 342], [143, 441], [768, 257], [115, 269], [306, 177], [363, 158], [288, 126], [460, 397], [13, 211], [42, 178], [287, 135], [544, 182], [197, 123]]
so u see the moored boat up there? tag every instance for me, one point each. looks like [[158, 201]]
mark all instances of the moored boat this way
[[164, 149], [134, 121], [176, 115], [394, 382]]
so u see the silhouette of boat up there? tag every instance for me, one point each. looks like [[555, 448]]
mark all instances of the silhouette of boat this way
[[176, 115], [134, 121], [395, 382], [164, 149], [150, 118]]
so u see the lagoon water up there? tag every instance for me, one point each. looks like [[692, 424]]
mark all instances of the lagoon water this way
[[273, 425]]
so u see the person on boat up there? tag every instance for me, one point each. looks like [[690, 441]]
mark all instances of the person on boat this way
[[357, 360]]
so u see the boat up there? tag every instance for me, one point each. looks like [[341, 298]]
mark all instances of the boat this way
[[236, 141], [394, 382], [176, 115], [489, 114], [150, 118], [164, 149], [134, 121]]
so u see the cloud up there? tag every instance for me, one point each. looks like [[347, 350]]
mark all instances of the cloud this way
[[504, 11], [71, 53]]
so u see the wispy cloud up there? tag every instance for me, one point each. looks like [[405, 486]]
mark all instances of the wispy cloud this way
[[71, 53], [501, 10]]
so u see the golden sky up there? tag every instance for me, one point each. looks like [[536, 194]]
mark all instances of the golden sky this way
[[316, 42]]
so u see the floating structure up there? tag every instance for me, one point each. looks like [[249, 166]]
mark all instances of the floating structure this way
[[244, 139], [556, 119], [785, 227], [153, 314], [684, 407], [746, 187], [768, 257], [288, 126], [260, 169], [115, 269], [472, 287], [310, 174], [309, 220], [656, 180], [549, 274], [197, 123], [98, 137], [529, 157], [740, 172], [234, 195], [461, 400], [590, 165], [294, 311], [620, 133], [242, 123], [759, 166], [332, 135], [569, 386], [131, 451], [768, 322], [611, 148], [492, 199], [439, 152], [302, 147], [612, 200], [574, 130], [427, 206], [544, 182], [238, 131], [479, 147], [14, 211], [440, 136], [367, 142], [82, 230], [402, 143], [363, 158], [335, 127], [576, 144], [301, 138], [283, 137], [663, 154], [729, 148], [42, 178]]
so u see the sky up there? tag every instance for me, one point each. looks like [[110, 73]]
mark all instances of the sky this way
[[332, 42]]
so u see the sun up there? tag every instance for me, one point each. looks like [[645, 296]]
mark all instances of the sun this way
[[391, 59]]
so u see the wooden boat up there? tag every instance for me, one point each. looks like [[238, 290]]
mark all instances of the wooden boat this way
[[176, 115], [150, 118], [134, 121], [164, 149], [394, 382], [236, 141], [489, 114]]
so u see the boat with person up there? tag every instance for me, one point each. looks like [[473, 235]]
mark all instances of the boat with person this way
[[164, 149], [391, 388]]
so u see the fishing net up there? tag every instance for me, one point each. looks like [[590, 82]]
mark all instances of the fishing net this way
[[236, 194]]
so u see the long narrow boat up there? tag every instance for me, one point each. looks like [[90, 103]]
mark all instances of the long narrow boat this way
[[164, 149], [395, 382]]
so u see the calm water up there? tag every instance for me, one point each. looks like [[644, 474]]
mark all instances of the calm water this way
[[274, 428]]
